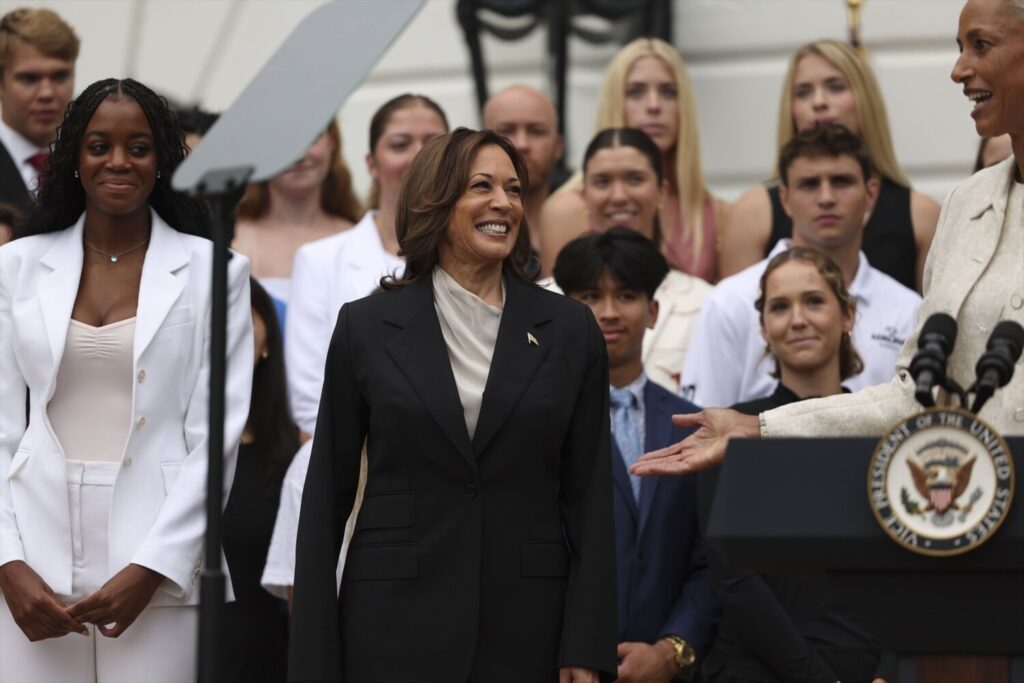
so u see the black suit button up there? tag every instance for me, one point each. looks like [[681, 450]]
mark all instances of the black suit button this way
[[471, 490]]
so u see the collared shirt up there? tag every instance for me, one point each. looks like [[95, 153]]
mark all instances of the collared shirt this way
[[726, 362], [636, 387], [21, 149]]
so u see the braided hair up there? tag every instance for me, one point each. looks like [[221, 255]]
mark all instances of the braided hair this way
[[61, 198]]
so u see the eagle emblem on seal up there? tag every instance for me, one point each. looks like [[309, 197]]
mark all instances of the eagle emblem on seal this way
[[941, 471]]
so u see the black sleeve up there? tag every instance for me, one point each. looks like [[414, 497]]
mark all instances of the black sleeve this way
[[590, 626], [328, 495]]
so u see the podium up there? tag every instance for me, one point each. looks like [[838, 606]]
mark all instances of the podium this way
[[800, 506]]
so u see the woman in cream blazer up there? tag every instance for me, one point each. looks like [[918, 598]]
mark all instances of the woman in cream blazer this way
[[61, 571]]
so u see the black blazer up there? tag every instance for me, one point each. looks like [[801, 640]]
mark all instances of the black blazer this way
[[12, 185], [488, 560]]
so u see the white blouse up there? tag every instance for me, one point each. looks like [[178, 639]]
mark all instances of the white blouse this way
[[470, 329]]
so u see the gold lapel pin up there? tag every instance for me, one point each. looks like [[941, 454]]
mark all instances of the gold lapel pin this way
[[533, 340]]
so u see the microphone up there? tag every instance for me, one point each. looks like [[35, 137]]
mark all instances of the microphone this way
[[934, 344], [995, 367]]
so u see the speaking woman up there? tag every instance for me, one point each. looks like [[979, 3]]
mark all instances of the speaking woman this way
[[481, 551], [104, 319]]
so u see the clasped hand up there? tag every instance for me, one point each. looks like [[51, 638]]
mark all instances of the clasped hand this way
[[113, 608]]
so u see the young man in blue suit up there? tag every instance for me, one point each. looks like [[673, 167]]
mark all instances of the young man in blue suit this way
[[667, 613]]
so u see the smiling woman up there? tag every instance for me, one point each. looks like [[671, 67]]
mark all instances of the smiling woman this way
[[481, 551], [104, 307]]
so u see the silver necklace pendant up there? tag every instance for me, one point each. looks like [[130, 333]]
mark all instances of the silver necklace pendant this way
[[113, 259]]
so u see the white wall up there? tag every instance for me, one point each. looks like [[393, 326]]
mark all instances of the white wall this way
[[736, 50]]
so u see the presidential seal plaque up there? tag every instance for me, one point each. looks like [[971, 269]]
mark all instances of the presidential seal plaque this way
[[941, 482]]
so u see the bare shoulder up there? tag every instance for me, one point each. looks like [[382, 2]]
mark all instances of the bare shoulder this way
[[562, 219], [744, 234], [924, 214]]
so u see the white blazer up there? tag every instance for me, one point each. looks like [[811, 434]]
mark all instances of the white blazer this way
[[973, 273], [327, 274], [157, 516]]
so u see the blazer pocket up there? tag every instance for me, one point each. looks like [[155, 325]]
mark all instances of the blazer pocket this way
[[170, 472], [387, 512], [544, 560], [382, 563]]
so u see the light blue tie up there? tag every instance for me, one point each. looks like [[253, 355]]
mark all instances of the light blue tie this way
[[627, 436]]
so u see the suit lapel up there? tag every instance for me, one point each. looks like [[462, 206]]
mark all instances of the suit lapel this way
[[419, 352], [516, 358], [59, 289], [159, 287], [658, 434]]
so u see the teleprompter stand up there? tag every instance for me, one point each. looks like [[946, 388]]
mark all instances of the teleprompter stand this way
[[277, 117], [800, 506]]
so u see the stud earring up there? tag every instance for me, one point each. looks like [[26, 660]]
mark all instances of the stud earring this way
[[265, 354], [76, 173], [158, 175]]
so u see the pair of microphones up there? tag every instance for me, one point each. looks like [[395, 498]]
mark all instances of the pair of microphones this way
[[994, 368]]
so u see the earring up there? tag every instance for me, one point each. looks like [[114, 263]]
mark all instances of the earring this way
[[265, 355], [76, 173], [158, 175]]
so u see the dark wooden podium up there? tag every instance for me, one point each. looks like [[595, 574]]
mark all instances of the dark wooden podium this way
[[799, 506]]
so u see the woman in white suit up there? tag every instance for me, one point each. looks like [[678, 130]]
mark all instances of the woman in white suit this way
[[104, 321]]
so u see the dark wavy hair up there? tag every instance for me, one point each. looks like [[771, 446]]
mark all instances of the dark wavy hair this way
[[432, 184], [61, 197], [270, 421]]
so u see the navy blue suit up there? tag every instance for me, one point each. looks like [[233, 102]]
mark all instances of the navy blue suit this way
[[664, 582]]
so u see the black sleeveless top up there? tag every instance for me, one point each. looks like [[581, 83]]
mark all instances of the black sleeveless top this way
[[888, 237]]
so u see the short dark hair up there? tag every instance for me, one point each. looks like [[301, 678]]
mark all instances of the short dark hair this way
[[833, 140], [624, 254]]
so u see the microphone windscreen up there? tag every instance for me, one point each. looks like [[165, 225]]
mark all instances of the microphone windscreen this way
[[1011, 332], [941, 325]]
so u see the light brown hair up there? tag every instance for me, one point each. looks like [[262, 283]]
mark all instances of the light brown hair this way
[[42, 29], [850, 362], [337, 197], [433, 183]]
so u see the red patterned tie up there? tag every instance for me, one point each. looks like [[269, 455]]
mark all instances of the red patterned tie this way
[[38, 162]]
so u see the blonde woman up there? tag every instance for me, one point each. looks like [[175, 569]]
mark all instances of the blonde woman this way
[[828, 82], [646, 86]]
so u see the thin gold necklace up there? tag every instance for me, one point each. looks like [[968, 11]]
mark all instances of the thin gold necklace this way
[[114, 257]]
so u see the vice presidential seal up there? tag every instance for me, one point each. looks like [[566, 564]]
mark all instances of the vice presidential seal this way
[[941, 482]]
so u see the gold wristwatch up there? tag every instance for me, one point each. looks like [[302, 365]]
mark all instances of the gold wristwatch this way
[[685, 656]]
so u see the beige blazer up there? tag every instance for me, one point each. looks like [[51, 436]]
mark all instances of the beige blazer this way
[[973, 255], [157, 515]]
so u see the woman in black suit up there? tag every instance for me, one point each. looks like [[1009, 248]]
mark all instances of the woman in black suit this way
[[484, 547]]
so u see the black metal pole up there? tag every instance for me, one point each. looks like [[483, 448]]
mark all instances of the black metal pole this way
[[222, 191]]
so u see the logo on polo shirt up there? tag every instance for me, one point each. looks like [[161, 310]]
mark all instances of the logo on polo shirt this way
[[889, 338], [941, 482]]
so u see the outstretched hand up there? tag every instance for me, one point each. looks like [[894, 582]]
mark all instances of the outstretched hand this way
[[703, 449]]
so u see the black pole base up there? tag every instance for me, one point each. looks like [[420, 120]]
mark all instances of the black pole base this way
[[211, 591]]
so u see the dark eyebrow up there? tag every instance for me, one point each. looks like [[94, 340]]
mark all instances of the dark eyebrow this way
[[131, 136], [481, 173]]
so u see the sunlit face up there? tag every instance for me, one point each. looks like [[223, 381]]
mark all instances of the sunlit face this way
[[406, 132], [34, 92], [527, 118], [802, 321], [821, 95], [991, 65], [652, 101], [621, 189], [259, 336], [308, 173], [117, 161], [485, 220], [828, 200], [623, 316]]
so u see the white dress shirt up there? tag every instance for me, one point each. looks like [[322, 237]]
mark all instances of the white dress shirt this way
[[21, 150], [726, 362]]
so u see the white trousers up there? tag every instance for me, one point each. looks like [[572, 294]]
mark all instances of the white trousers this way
[[159, 647]]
